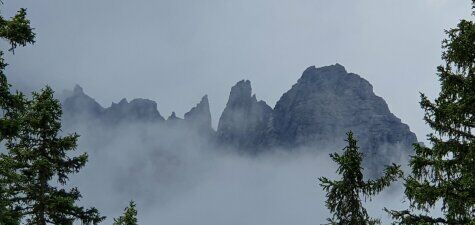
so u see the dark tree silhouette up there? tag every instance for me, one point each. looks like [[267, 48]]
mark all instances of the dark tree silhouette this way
[[17, 32], [445, 172], [344, 196], [36, 154], [129, 217]]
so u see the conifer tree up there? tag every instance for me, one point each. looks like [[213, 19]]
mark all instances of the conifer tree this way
[[36, 153], [129, 217], [344, 196], [17, 32], [445, 172], [40, 156]]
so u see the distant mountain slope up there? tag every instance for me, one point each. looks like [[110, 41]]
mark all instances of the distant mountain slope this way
[[78, 103], [327, 102], [316, 112], [245, 122], [79, 107]]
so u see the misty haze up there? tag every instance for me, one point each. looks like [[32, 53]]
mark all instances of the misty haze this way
[[237, 112]]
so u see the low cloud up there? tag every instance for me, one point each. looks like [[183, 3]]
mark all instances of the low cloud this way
[[177, 177]]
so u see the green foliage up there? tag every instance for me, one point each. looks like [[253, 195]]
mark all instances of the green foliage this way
[[36, 154], [40, 155], [10, 213], [344, 196], [129, 217], [17, 32], [445, 172]]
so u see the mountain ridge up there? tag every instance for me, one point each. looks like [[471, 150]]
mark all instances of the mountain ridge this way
[[318, 110]]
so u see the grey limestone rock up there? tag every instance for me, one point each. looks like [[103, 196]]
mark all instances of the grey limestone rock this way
[[81, 104], [137, 110], [327, 102], [245, 122], [315, 113], [200, 116]]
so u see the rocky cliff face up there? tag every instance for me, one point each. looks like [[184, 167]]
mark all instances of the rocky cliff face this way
[[173, 117], [316, 112], [137, 110], [327, 102], [78, 103], [200, 116], [245, 122], [78, 106]]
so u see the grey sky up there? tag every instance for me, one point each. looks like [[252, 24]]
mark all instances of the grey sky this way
[[176, 51]]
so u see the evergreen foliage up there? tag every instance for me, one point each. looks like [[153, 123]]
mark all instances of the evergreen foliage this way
[[39, 156], [17, 32], [344, 196], [36, 154], [129, 217], [445, 172]]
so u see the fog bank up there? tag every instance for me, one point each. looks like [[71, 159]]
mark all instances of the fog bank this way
[[179, 178]]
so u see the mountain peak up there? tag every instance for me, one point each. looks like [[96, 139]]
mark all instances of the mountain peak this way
[[240, 92], [200, 115], [123, 101], [78, 90], [330, 103], [138, 109], [204, 100], [244, 121], [313, 74], [173, 117], [334, 68], [78, 103]]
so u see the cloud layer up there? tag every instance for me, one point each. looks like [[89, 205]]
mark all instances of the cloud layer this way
[[179, 178]]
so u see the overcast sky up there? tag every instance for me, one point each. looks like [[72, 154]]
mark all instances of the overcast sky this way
[[176, 51]]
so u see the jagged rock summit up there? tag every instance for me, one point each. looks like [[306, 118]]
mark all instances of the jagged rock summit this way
[[140, 110], [78, 106], [200, 115], [316, 112], [173, 117], [79, 103], [327, 102], [245, 121]]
